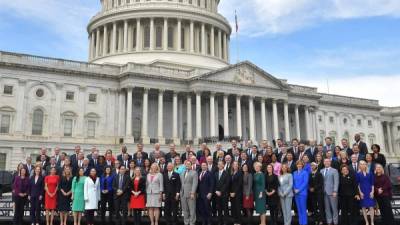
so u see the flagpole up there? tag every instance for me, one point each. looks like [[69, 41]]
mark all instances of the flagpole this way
[[237, 37]]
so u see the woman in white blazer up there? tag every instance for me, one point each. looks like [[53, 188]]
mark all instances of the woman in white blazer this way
[[91, 195], [154, 190]]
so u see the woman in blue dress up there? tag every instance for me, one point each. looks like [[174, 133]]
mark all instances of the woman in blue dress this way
[[300, 186], [365, 180]]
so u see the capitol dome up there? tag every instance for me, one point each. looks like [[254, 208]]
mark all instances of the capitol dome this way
[[182, 34]]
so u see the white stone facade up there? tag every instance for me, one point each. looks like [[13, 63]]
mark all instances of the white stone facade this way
[[128, 94]]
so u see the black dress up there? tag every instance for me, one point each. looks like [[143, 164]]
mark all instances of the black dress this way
[[272, 183], [64, 202]]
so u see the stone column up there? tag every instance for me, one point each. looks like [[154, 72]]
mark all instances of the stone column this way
[[121, 113], [307, 122], [98, 42], [114, 38], [275, 118], [129, 106], [212, 40], [105, 40], [175, 118], [191, 37], [252, 119], [238, 117], [179, 35], [297, 119], [286, 118], [212, 114], [263, 120], [138, 35], [203, 39], [165, 34], [389, 134], [219, 44], [125, 35], [189, 117], [226, 115], [224, 47], [160, 127], [151, 34], [91, 46], [145, 135], [198, 115]]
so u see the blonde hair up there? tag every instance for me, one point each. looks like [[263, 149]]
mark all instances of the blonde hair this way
[[155, 165]]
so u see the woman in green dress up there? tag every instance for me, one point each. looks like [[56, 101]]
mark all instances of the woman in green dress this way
[[78, 201], [259, 192]]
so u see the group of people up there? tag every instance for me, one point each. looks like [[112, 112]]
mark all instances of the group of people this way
[[237, 183]]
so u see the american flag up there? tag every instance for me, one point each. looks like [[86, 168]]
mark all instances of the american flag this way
[[236, 22]]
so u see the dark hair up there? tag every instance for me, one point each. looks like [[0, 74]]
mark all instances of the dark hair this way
[[343, 166], [78, 175], [105, 168], [376, 146]]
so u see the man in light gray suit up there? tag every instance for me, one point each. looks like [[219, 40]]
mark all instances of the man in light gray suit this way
[[189, 182], [331, 187]]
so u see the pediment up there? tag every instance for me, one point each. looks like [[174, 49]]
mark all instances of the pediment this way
[[244, 73]]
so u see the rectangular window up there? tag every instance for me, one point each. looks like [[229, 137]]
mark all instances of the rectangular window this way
[[170, 37], [146, 37], [5, 124], [68, 128], [8, 89], [331, 119], [92, 97], [359, 122], [370, 123], [3, 160], [91, 131], [159, 35], [69, 96], [398, 128]]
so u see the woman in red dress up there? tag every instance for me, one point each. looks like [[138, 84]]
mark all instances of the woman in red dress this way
[[50, 200], [138, 201]]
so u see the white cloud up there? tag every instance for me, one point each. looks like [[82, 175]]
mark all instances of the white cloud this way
[[382, 88], [259, 17], [66, 19]]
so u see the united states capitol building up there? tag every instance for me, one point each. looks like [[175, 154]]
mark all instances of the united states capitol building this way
[[159, 71]]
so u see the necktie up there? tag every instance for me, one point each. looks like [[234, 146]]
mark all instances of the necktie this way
[[326, 171], [201, 175], [120, 182], [95, 162], [186, 174]]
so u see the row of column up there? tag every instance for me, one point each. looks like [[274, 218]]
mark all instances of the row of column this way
[[211, 5], [390, 133], [212, 40], [198, 104]]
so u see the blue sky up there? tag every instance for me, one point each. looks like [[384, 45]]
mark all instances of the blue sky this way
[[352, 45]]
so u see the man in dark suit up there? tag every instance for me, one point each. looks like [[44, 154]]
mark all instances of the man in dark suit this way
[[94, 160], [328, 145], [353, 167], [294, 148], [121, 186], [43, 151], [169, 157], [28, 166], [233, 148], [86, 167], [290, 161], [53, 164], [125, 160], [205, 191], [357, 153], [221, 190], [74, 157], [228, 162], [362, 145], [124, 150], [218, 150], [301, 151], [279, 145], [57, 154], [92, 151], [312, 151], [244, 160], [172, 188], [211, 166], [346, 147], [144, 154], [188, 150]]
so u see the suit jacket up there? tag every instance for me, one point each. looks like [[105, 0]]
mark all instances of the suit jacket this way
[[331, 180], [170, 157], [237, 184], [363, 147], [142, 185], [285, 188], [222, 183], [206, 184], [316, 181], [300, 181], [73, 158], [144, 155], [189, 183], [292, 166], [126, 186], [348, 186], [29, 169], [39, 156], [36, 189], [312, 152], [119, 158], [58, 170], [171, 186], [214, 168], [155, 185]]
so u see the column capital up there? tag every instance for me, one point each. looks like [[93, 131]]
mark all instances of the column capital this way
[[161, 91], [213, 93], [197, 92], [129, 87], [238, 97], [146, 89], [274, 100]]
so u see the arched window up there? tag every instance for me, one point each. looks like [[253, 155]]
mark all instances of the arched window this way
[[159, 34], [170, 37], [146, 39], [37, 122]]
